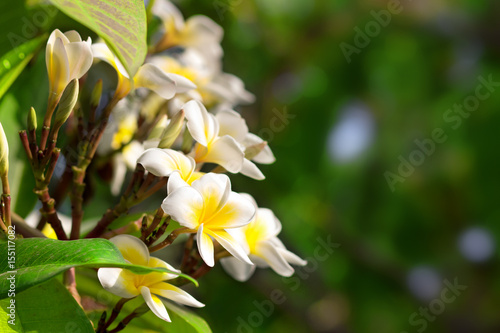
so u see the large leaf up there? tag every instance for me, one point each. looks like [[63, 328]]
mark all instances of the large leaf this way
[[12, 63], [121, 23], [45, 308], [39, 259]]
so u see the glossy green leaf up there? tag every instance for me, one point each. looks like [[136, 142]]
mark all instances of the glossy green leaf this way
[[45, 308], [37, 260], [121, 23], [13, 62]]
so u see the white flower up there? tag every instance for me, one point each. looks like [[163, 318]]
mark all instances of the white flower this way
[[263, 247], [67, 57], [126, 284], [210, 147], [214, 87], [148, 76], [210, 208], [198, 32]]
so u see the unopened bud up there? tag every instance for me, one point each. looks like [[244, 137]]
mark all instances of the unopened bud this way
[[95, 98], [252, 151], [67, 103], [172, 131], [4, 153], [158, 129], [32, 120]]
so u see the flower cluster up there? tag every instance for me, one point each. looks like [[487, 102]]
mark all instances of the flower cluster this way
[[171, 127]]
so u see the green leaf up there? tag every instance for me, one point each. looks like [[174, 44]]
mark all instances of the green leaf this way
[[45, 308], [121, 23], [13, 62], [37, 260]]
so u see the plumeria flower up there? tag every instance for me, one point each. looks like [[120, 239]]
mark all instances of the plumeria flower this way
[[214, 87], [148, 76], [262, 245], [210, 209], [199, 32], [152, 286], [231, 123], [67, 57], [211, 147], [164, 162]]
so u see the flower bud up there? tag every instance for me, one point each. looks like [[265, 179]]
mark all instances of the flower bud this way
[[67, 103], [158, 129], [95, 98], [67, 57], [172, 131], [4, 153], [32, 120]]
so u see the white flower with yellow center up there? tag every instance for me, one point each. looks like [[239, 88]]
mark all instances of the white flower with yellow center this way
[[148, 76], [214, 87], [67, 57], [210, 146], [126, 284], [198, 31], [210, 208], [263, 247]]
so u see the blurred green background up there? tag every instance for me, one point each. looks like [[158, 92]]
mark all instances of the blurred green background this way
[[351, 123], [386, 225]]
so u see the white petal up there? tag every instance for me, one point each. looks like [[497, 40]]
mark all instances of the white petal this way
[[132, 249], [249, 169], [238, 269], [152, 77], [57, 67], [155, 304], [231, 123], [236, 212], [73, 36], [79, 58], [274, 259], [175, 294], [167, 11], [175, 181], [204, 27], [230, 244], [205, 247], [182, 84], [268, 223], [117, 283], [185, 205], [215, 190], [202, 125], [249, 198], [226, 152], [162, 162], [266, 156], [292, 258], [57, 34]]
